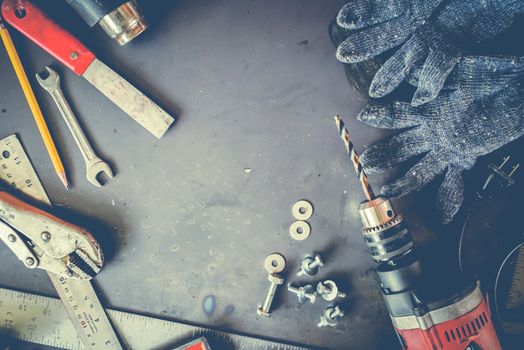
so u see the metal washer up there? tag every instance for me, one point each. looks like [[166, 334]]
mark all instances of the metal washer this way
[[302, 210], [300, 226], [275, 263]]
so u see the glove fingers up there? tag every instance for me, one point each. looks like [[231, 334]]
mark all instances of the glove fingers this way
[[358, 14], [451, 194], [368, 43], [397, 68], [384, 155], [417, 177], [436, 69], [485, 74], [398, 115]]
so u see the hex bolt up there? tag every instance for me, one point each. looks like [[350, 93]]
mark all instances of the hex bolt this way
[[11, 238], [264, 309], [310, 266], [329, 291], [46, 236], [304, 293], [331, 316], [29, 261]]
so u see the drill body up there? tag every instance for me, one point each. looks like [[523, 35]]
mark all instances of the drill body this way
[[450, 317]]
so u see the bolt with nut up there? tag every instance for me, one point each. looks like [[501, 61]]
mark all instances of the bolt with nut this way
[[275, 280], [331, 317], [310, 265], [304, 293], [329, 291]]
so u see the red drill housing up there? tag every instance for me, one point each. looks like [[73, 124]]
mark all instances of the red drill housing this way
[[455, 317]]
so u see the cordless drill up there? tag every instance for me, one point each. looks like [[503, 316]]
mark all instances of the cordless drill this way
[[427, 313], [455, 317]]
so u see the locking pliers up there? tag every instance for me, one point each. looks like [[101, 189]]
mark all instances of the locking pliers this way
[[41, 240]]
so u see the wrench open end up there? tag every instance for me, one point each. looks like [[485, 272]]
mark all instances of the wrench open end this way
[[95, 166], [50, 81], [96, 170]]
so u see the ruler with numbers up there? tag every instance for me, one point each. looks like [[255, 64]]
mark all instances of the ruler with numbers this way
[[42, 320], [80, 319], [17, 171], [78, 297]]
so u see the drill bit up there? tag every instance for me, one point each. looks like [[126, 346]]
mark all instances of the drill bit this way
[[353, 155]]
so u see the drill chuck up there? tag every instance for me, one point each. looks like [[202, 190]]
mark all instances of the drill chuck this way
[[457, 319], [428, 313], [384, 231]]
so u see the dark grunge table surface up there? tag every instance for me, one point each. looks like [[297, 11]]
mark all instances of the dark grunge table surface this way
[[191, 217]]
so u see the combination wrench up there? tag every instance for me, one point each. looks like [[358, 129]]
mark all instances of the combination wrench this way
[[94, 165]]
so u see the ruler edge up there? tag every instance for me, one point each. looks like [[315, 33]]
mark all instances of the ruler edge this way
[[44, 192], [55, 279], [199, 328], [114, 312]]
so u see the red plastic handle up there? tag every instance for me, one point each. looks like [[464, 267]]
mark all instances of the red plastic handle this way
[[48, 35]]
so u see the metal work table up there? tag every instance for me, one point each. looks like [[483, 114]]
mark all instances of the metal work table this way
[[190, 218]]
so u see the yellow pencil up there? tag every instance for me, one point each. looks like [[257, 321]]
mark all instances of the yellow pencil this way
[[33, 105]]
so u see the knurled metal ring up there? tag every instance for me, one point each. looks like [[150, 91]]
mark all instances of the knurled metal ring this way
[[302, 210], [299, 230]]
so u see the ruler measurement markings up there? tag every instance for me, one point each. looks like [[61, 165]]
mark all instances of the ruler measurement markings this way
[[138, 332], [161, 332], [16, 169]]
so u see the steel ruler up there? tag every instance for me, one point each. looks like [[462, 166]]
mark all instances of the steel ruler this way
[[78, 297], [80, 319], [42, 320]]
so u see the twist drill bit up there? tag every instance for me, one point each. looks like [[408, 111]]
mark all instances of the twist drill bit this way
[[353, 155]]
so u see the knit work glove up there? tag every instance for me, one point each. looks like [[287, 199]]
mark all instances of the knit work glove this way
[[432, 48], [376, 26], [451, 131]]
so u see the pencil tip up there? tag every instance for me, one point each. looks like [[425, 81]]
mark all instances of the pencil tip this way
[[63, 178]]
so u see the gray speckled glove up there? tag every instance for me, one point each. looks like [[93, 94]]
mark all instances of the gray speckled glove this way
[[433, 47], [477, 115], [376, 26]]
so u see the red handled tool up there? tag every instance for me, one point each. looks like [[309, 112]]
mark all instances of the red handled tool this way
[[198, 344], [35, 25]]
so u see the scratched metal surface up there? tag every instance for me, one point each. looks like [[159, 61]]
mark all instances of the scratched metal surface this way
[[189, 219]]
